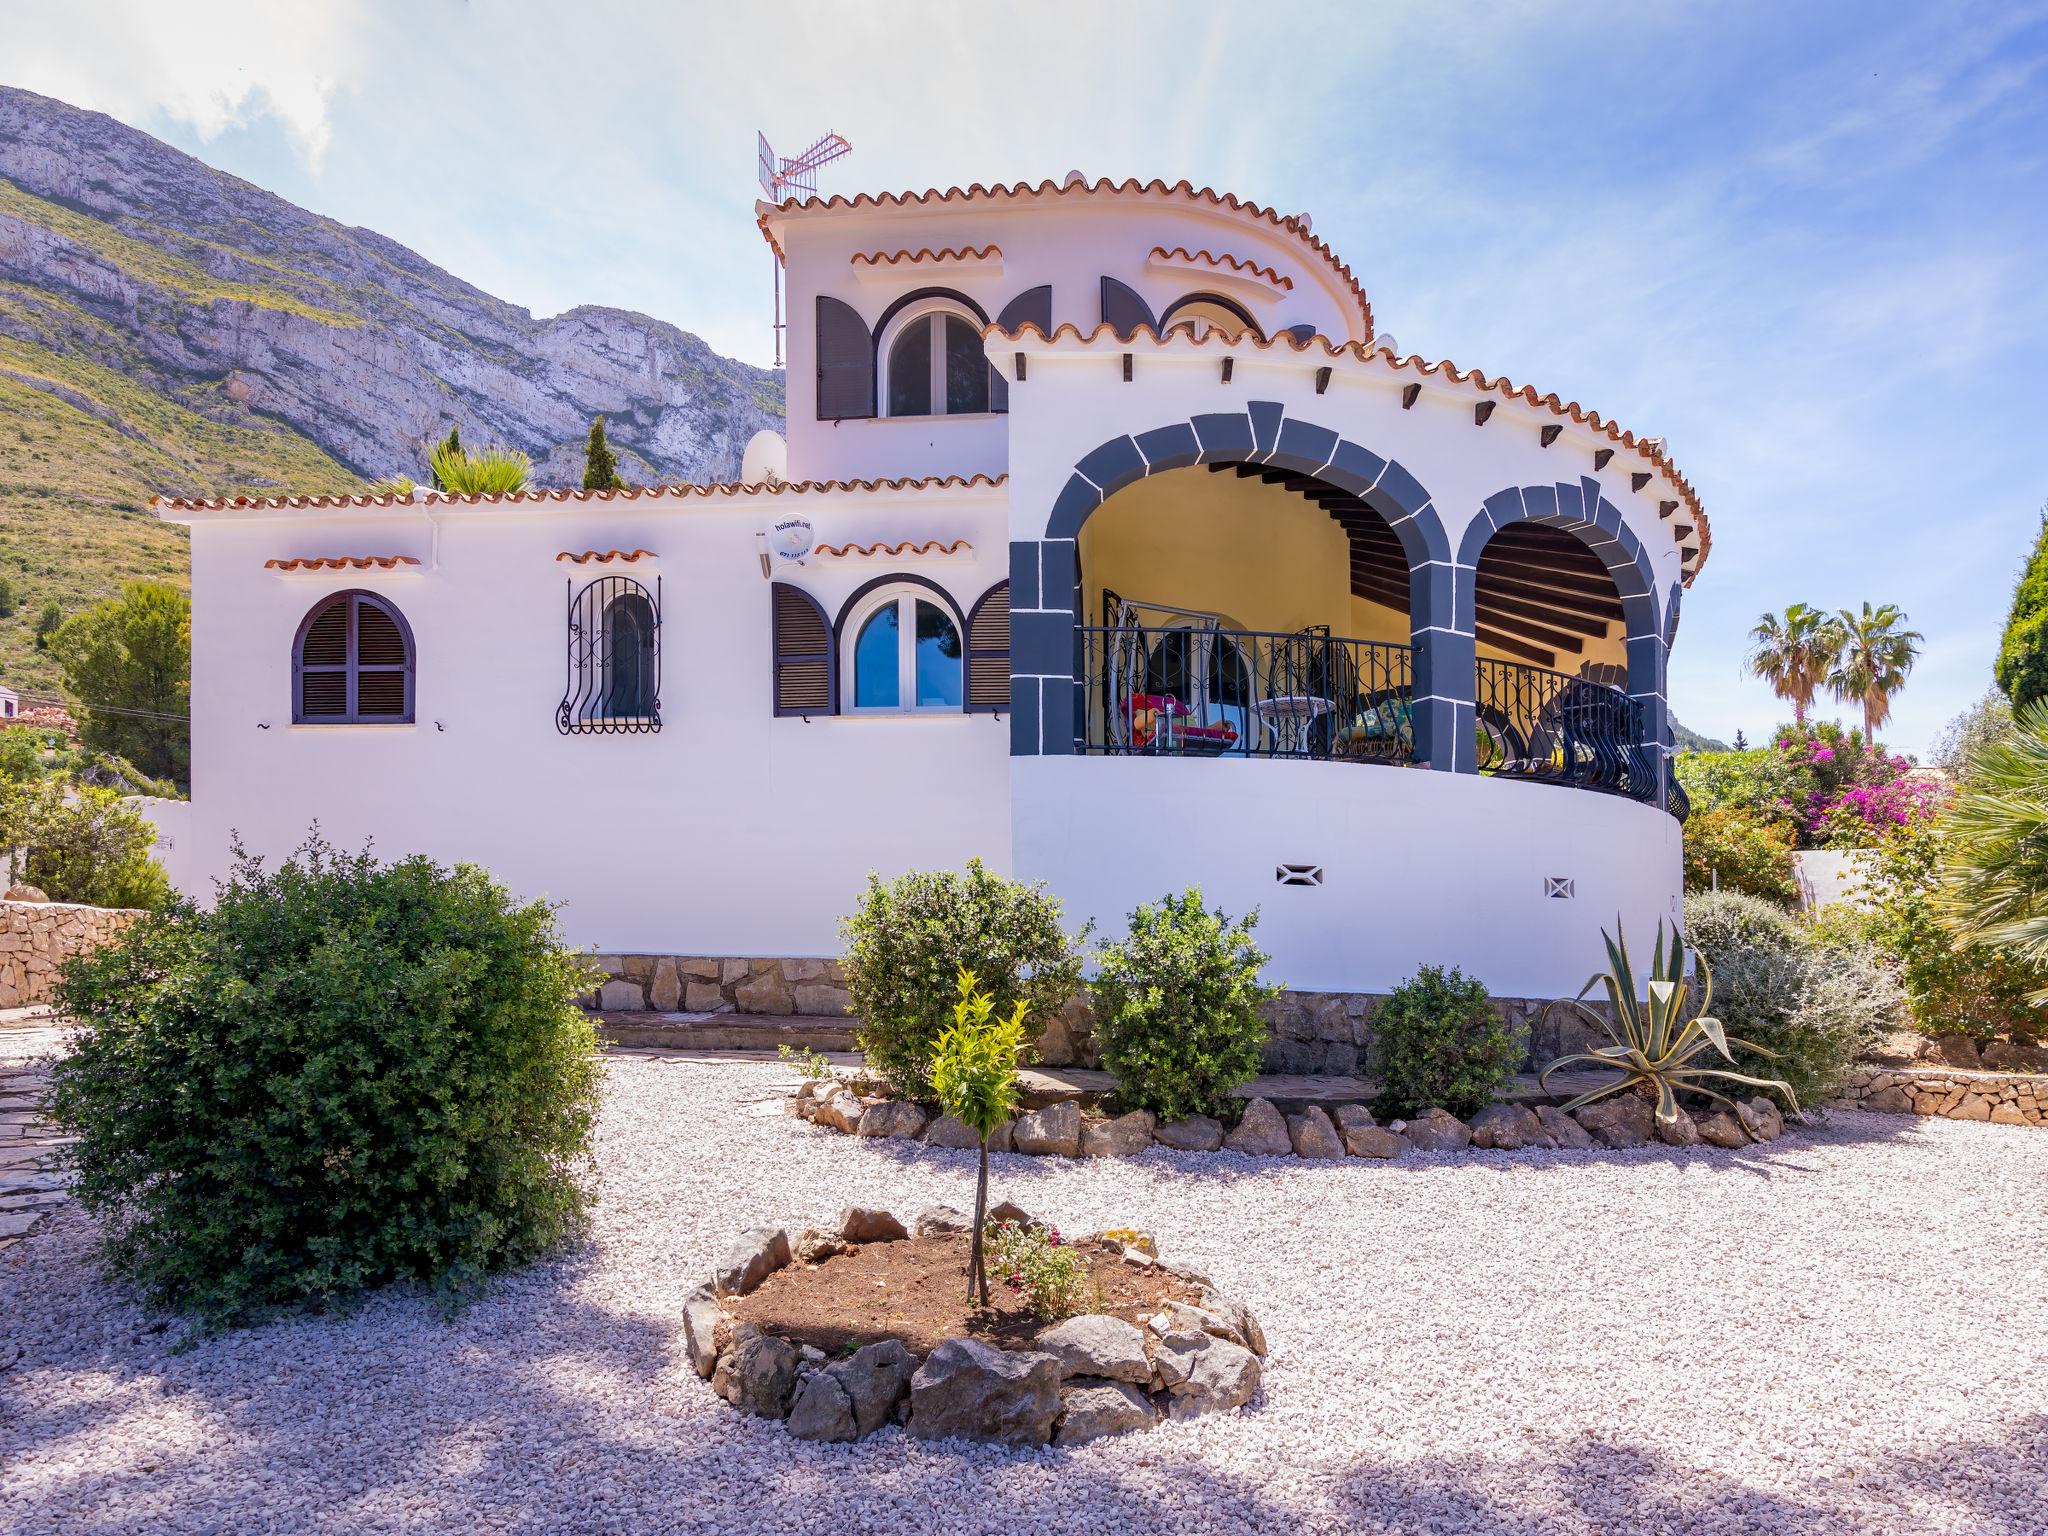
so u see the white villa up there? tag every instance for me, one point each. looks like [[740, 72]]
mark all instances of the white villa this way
[[1111, 542]]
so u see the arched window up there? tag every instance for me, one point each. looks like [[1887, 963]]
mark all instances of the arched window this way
[[629, 676], [614, 659], [903, 650], [1206, 312], [352, 663], [936, 365]]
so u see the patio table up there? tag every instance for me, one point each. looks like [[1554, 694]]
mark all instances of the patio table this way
[[1289, 717]]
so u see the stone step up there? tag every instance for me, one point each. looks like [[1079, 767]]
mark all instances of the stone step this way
[[763, 1032]]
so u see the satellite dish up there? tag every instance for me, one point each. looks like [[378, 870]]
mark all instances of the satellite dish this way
[[766, 460], [791, 538], [1386, 339]]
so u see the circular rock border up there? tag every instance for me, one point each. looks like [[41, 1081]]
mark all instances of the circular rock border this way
[[1089, 1376], [1618, 1122]]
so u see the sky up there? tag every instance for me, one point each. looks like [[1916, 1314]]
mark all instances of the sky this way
[[1805, 243]]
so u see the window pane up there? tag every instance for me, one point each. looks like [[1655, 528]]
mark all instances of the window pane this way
[[910, 371], [938, 658], [875, 663], [629, 658], [966, 368]]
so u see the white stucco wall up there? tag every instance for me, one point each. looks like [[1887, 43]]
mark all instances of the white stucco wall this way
[[729, 832], [1420, 868]]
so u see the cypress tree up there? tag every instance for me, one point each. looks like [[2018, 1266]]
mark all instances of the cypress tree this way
[[2022, 669], [600, 465]]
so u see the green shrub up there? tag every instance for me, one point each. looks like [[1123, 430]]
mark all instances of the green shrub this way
[[1797, 1004], [2022, 665], [85, 845], [1739, 851], [1437, 1041], [913, 935], [1035, 1264], [1177, 1008], [340, 1075]]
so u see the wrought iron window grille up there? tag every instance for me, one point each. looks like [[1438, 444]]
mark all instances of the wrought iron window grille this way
[[614, 659]]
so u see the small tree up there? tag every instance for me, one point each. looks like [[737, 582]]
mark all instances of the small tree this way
[[450, 445], [974, 1073], [8, 601], [2022, 668], [128, 661], [600, 464], [84, 845], [48, 622]]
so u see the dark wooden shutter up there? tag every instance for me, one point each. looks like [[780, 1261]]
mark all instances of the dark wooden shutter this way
[[988, 651], [1123, 311], [805, 679], [1301, 333], [383, 664], [321, 669], [846, 362]]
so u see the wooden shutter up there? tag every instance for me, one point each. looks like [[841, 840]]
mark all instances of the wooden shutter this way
[[1301, 333], [321, 667], [353, 662], [383, 664], [988, 651], [1031, 307], [846, 362], [1123, 311], [805, 679]]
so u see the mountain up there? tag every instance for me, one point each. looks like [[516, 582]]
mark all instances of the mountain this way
[[1693, 741], [168, 329]]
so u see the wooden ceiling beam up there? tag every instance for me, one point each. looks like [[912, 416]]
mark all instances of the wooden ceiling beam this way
[[1543, 613], [1575, 602], [1513, 647]]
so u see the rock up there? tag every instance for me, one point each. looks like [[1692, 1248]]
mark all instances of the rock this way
[[1174, 1351], [937, 1219], [621, 997], [1719, 1128], [1054, 1131], [700, 1327], [1240, 1316], [891, 1118], [1438, 1130], [1620, 1120], [752, 1258], [1007, 1210], [1176, 1315], [861, 1224], [766, 992], [875, 1378], [2008, 1114], [823, 1411], [1562, 1129], [1055, 1044], [1681, 1132], [948, 1131], [975, 1391], [665, 991], [1889, 1100], [1214, 1374], [817, 1247], [1098, 1345], [1363, 1137], [1313, 1135], [1763, 1119], [1508, 1128], [1091, 1408], [821, 1000], [759, 1372], [22, 891], [1261, 1133], [841, 1110], [1197, 1133], [1958, 1051], [2010, 1056], [1974, 1107], [1125, 1136]]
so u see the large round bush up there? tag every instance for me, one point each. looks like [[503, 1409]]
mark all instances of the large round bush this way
[[1438, 1042], [912, 936], [342, 1074], [1177, 1009]]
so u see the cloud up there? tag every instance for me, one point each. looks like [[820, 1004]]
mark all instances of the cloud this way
[[210, 66]]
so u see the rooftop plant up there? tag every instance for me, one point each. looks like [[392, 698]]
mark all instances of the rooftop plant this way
[[491, 471]]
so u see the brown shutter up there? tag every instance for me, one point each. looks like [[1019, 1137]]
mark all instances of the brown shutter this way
[[988, 650], [805, 679], [1123, 311], [353, 662], [846, 362]]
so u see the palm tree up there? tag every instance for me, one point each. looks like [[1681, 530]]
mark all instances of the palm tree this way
[[1793, 654], [1873, 652], [1995, 870]]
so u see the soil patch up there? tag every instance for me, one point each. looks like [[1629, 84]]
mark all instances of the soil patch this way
[[915, 1290]]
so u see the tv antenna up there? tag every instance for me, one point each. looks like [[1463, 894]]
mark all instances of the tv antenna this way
[[784, 177]]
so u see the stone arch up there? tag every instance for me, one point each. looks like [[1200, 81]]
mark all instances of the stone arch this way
[[1579, 509], [1044, 573]]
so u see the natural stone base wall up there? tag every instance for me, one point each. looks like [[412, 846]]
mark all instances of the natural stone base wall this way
[[36, 937], [1327, 1033], [2003, 1098]]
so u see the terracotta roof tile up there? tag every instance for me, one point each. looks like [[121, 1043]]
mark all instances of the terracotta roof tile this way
[[342, 563], [904, 547], [1179, 191], [1649, 449], [1223, 262], [731, 488], [926, 253], [605, 556]]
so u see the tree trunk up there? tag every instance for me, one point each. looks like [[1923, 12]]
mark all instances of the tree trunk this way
[[977, 1272]]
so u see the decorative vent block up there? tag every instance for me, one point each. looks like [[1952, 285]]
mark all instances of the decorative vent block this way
[[1559, 887], [1298, 874]]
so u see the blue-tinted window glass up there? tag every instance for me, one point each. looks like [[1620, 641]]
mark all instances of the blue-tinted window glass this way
[[910, 371], [938, 658], [876, 659]]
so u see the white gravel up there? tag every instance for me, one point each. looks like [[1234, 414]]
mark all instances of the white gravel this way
[[1847, 1332]]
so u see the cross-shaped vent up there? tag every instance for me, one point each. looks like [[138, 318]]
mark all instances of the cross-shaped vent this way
[[1299, 874], [1559, 887]]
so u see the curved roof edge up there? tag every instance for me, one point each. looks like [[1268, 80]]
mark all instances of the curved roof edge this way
[[1649, 449], [730, 488], [1180, 191]]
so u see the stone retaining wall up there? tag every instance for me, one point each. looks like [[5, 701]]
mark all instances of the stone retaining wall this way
[[1311, 1032], [2004, 1098], [36, 937]]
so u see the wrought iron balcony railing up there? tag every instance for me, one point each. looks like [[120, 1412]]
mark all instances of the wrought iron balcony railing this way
[[1538, 724], [1195, 690]]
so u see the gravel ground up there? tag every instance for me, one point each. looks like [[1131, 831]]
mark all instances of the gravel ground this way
[[1846, 1332]]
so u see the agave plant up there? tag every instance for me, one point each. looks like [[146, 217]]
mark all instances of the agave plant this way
[[487, 472], [1656, 1044]]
